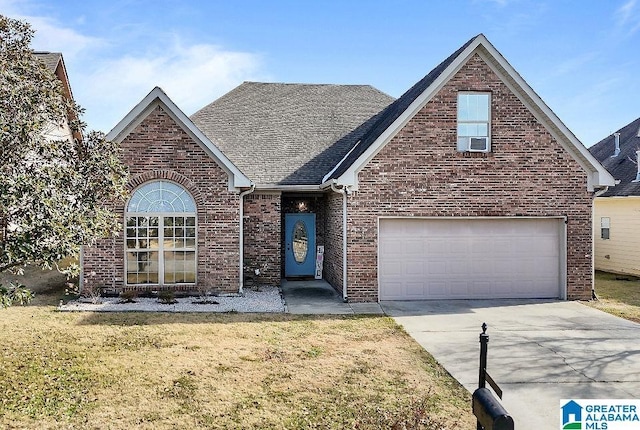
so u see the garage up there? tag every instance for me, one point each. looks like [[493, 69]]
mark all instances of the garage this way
[[471, 258]]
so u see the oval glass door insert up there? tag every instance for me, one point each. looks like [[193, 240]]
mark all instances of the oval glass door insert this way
[[300, 242]]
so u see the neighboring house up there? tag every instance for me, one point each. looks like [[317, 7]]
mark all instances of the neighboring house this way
[[467, 186], [35, 277], [616, 220], [55, 63]]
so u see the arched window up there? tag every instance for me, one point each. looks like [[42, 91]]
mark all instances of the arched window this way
[[160, 237]]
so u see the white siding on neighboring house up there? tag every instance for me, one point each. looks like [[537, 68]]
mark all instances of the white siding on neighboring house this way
[[621, 252], [55, 132]]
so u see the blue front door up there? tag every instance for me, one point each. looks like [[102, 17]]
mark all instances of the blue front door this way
[[300, 244]]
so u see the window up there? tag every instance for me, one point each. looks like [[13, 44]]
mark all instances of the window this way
[[473, 122], [160, 235], [605, 225]]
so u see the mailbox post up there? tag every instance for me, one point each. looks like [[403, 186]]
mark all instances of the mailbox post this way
[[490, 413]]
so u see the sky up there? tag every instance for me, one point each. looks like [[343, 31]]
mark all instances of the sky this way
[[581, 57]]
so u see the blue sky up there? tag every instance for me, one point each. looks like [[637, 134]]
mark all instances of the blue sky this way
[[582, 58]]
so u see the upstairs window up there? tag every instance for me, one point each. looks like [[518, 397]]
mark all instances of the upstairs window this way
[[605, 225], [473, 122]]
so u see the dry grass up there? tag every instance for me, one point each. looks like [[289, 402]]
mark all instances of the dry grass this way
[[618, 295], [162, 371]]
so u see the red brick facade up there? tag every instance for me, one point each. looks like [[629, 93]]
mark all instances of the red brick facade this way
[[420, 173], [158, 148], [262, 236], [333, 240]]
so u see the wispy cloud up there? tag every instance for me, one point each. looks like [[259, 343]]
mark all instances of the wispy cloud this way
[[628, 17], [191, 74]]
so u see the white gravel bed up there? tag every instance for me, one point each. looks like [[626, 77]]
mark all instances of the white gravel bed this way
[[266, 299]]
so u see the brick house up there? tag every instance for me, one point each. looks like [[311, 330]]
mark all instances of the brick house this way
[[467, 186]]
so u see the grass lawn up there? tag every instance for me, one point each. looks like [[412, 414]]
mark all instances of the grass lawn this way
[[237, 371], [618, 295]]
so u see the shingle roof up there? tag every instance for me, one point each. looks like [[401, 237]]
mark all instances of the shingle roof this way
[[50, 59], [623, 167], [395, 109], [289, 134]]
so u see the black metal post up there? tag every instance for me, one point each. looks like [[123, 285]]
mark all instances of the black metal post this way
[[484, 340], [482, 377]]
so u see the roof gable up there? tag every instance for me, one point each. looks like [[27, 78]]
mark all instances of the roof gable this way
[[402, 110], [55, 63], [622, 167], [158, 97]]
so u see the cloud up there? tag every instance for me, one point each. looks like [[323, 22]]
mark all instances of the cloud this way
[[625, 11], [628, 17], [192, 75], [108, 80], [50, 35]]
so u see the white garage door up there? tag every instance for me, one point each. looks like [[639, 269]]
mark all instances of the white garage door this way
[[423, 259]]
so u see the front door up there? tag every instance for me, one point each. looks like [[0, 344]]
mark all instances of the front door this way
[[300, 244]]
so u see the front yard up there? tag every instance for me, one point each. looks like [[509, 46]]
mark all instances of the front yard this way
[[160, 371], [618, 295]]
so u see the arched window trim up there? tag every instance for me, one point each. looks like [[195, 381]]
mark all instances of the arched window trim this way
[[166, 194]]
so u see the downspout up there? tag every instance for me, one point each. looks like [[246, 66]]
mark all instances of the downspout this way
[[241, 250], [344, 191], [598, 193]]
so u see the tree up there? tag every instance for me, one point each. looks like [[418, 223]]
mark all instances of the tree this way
[[55, 193]]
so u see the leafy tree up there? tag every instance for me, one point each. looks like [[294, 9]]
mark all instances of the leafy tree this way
[[52, 189]]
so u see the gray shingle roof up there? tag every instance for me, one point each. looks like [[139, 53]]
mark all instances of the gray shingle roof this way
[[289, 134], [395, 109], [623, 167], [50, 59]]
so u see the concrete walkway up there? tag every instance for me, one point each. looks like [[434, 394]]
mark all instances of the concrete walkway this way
[[318, 297], [539, 351]]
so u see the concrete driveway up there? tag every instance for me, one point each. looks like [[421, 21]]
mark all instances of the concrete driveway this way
[[539, 351]]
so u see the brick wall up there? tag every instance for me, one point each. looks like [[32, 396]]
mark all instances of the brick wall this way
[[420, 173], [160, 149], [333, 240], [262, 235]]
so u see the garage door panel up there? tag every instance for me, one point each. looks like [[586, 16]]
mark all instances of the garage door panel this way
[[414, 246], [437, 268], [469, 258]]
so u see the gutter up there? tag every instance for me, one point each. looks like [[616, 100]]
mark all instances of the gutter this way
[[344, 191], [241, 250]]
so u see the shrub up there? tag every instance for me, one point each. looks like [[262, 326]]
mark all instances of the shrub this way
[[167, 297], [128, 296], [15, 294]]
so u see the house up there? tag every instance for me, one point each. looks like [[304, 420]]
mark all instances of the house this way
[[467, 186], [33, 276], [55, 63], [616, 221]]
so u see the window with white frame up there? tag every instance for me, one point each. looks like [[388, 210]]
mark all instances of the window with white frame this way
[[605, 226], [160, 235], [474, 125]]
